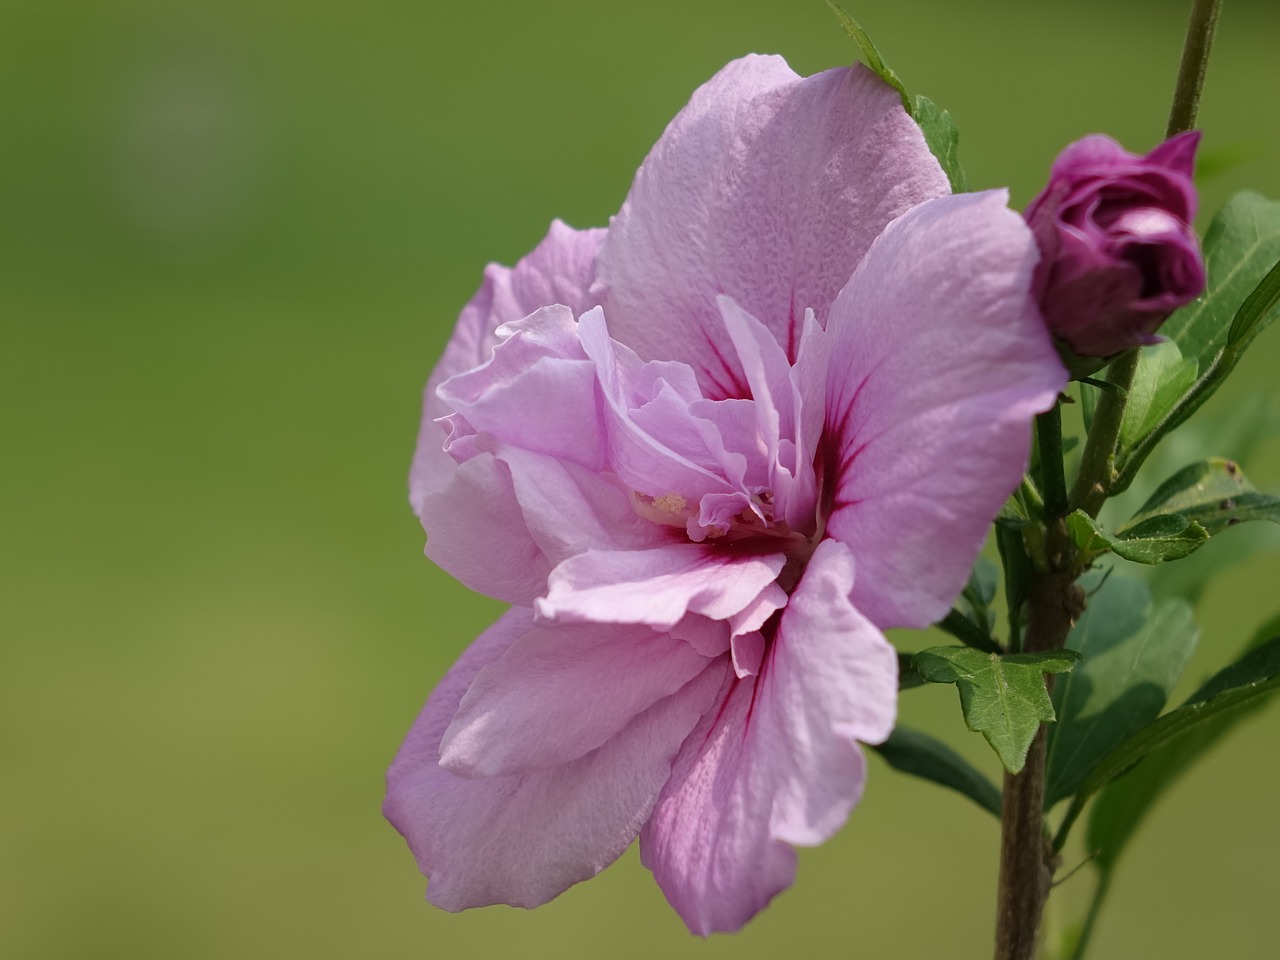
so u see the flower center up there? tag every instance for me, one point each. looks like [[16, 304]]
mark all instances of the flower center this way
[[735, 522]]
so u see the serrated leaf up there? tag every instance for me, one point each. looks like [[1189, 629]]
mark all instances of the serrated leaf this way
[[1156, 539], [870, 53], [1241, 247], [1133, 656], [1238, 688], [943, 137], [1213, 493], [1003, 697], [920, 755]]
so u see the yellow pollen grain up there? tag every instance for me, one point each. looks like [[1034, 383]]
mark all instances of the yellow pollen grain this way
[[670, 503]]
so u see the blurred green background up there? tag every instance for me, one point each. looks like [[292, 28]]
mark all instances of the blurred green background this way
[[234, 236]]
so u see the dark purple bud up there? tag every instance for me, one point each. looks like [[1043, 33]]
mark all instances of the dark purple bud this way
[[1118, 252]]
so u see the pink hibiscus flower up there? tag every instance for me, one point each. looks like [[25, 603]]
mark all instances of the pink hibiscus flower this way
[[708, 455]]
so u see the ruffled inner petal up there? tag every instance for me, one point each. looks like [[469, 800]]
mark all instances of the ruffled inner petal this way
[[559, 270]]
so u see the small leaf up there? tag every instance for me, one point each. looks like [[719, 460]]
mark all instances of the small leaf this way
[[870, 53], [1089, 393], [974, 603], [920, 755], [1184, 731], [1156, 539], [983, 579], [943, 138], [1003, 698], [1212, 493], [1017, 571], [1133, 657]]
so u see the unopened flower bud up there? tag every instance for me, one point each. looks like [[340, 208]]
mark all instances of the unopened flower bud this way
[[1118, 252]]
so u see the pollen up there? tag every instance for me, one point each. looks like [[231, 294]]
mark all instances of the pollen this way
[[670, 503]]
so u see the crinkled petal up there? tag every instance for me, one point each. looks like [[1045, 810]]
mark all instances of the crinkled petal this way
[[561, 691], [652, 465], [766, 188], [776, 763], [656, 587], [523, 840], [477, 532], [809, 380], [537, 390], [944, 359], [559, 270]]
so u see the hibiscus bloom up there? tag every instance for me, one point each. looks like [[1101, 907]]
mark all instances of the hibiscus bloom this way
[[708, 455]]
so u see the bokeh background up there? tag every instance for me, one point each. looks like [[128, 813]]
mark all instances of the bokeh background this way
[[234, 236]]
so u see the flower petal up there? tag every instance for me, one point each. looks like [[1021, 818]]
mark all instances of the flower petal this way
[[776, 764], [559, 270], [523, 840], [476, 532], [944, 360], [537, 390], [561, 691], [568, 509], [769, 189], [656, 587]]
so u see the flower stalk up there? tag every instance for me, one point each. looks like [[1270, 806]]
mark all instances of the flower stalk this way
[[1055, 600]]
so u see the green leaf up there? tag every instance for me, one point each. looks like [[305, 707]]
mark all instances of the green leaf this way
[[1003, 697], [1162, 378], [1132, 658], [1242, 247], [908, 676], [1088, 403], [920, 755], [1235, 431], [1123, 804], [1156, 539], [1185, 732], [1212, 493], [870, 53], [974, 605], [1017, 571], [943, 137], [1258, 308]]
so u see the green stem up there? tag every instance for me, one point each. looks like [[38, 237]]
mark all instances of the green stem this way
[[1096, 479], [1049, 436], [1195, 60]]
